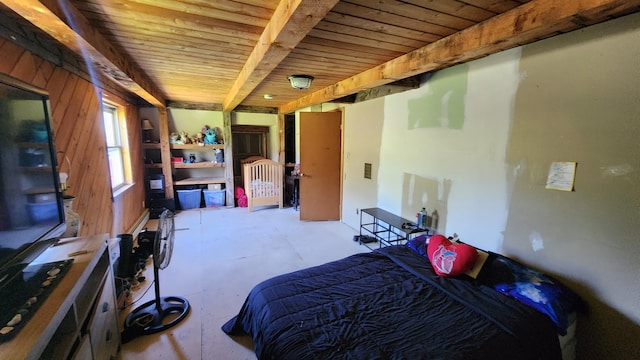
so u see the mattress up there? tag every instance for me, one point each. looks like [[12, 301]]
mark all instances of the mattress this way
[[388, 304]]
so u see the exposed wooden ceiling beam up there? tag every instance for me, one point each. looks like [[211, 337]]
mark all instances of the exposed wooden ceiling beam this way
[[78, 35], [527, 23], [395, 87], [290, 23], [218, 107]]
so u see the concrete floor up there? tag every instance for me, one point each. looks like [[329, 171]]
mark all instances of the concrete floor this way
[[219, 255]]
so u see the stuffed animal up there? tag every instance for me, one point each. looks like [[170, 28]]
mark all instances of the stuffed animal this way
[[210, 137], [174, 138], [184, 137], [199, 138]]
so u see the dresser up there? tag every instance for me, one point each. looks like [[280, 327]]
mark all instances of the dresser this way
[[79, 318]]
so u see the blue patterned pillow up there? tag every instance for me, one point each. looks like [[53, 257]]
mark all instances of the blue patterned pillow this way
[[535, 289], [419, 245]]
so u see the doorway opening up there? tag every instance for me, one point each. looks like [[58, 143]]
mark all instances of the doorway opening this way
[[248, 140]]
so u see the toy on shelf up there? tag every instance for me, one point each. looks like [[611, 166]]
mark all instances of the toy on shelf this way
[[198, 139], [184, 138], [209, 135]]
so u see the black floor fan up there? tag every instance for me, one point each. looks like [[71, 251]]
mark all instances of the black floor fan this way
[[162, 312]]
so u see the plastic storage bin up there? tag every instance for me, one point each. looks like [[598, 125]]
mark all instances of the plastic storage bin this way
[[43, 212], [189, 199], [214, 198]]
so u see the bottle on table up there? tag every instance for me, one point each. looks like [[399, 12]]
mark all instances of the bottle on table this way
[[421, 217]]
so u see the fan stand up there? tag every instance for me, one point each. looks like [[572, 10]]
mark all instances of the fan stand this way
[[155, 315]]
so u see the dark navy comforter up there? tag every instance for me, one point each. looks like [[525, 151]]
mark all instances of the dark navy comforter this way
[[388, 304]]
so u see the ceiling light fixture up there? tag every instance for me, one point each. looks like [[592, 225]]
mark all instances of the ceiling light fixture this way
[[300, 81], [267, 96]]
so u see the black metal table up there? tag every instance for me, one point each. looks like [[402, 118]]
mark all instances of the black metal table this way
[[387, 228]]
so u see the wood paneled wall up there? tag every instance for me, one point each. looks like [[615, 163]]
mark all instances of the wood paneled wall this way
[[79, 135]]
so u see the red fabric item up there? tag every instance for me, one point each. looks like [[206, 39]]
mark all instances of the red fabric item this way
[[238, 192], [243, 201], [450, 259]]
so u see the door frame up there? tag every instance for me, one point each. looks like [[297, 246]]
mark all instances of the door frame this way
[[340, 109]]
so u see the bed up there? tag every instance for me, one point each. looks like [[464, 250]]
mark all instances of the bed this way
[[263, 183], [391, 304]]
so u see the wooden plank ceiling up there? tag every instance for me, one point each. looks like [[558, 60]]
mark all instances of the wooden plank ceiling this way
[[228, 53]]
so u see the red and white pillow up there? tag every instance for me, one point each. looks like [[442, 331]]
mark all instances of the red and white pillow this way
[[450, 259]]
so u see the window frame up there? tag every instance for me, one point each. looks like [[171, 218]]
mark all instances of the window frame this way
[[118, 114]]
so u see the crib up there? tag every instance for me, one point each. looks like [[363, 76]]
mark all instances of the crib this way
[[263, 183]]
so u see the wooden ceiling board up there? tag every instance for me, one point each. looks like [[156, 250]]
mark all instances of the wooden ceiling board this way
[[175, 41], [496, 7], [291, 21], [386, 17], [342, 47], [356, 40], [459, 9], [211, 51], [189, 51], [318, 55], [267, 4], [316, 59], [229, 53], [124, 15], [375, 28], [209, 40], [329, 71], [230, 11], [417, 12], [169, 66]]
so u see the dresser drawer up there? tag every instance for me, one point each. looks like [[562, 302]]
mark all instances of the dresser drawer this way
[[103, 328], [84, 350]]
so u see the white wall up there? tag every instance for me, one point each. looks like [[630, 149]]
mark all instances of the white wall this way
[[192, 121], [467, 164], [475, 143], [445, 157], [364, 131]]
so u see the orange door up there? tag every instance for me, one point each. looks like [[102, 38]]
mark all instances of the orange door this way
[[320, 155]]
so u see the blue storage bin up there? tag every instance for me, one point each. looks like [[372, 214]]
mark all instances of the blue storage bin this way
[[189, 199], [43, 212], [214, 198]]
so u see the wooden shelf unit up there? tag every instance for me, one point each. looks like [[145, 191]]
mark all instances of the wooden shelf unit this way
[[197, 165], [177, 174], [196, 147], [183, 165], [151, 146], [200, 180], [183, 146]]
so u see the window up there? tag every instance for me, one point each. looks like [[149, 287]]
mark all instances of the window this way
[[117, 149]]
